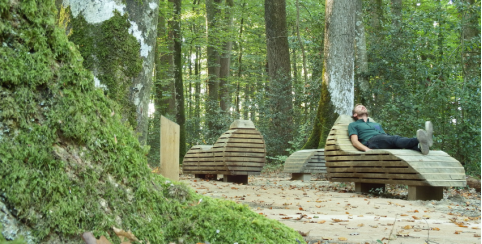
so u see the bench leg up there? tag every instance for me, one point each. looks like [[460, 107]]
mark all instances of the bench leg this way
[[425, 193], [236, 179], [366, 187], [301, 176]]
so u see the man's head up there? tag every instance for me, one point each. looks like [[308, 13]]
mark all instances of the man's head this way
[[359, 111]]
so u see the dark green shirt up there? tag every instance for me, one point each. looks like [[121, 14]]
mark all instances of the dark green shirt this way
[[364, 130]]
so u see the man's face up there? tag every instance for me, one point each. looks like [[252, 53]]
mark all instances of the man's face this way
[[360, 110]]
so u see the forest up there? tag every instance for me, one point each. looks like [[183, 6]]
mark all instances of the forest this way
[[83, 85], [413, 61]]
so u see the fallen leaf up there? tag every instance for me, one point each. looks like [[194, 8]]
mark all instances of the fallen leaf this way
[[121, 233], [435, 228], [476, 235], [321, 221], [407, 227], [342, 238], [304, 233], [361, 225]]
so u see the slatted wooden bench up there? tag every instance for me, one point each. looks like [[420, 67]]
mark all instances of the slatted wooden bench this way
[[425, 175], [303, 163], [237, 153]]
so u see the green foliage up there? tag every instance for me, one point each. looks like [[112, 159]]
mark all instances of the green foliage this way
[[68, 162], [417, 74]]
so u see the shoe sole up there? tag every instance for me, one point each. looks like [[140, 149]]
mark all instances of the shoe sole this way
[[429, 130], [422, 138]]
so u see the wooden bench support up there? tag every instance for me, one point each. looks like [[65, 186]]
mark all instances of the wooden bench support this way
[[425, 193], [366, 187], [301, 176], [236, 179]]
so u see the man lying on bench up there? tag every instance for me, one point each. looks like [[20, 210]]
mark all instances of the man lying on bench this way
[[366, 135]]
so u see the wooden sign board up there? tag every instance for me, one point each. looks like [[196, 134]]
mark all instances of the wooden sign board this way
[[170, 136]]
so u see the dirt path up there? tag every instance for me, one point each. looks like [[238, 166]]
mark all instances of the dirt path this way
[[332, 213]]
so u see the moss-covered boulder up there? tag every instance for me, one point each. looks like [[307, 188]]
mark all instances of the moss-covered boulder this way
[[68, 164]]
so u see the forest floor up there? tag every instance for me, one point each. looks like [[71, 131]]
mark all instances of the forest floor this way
[[327, 212]]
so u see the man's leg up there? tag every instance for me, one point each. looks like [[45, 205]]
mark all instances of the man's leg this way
[[382, 142], [393, 142]]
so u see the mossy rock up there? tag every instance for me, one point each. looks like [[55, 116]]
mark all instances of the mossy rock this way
[[68, 164]]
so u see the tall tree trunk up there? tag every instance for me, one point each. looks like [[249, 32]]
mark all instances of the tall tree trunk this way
[[305, 72], [213, 58], [118, 46], [160, 105], [225, 61], [279, 70], [361, 60], [240, 59], [175, 25], [337, 91]]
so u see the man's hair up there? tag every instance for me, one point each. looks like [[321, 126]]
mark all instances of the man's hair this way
[[353, 111]]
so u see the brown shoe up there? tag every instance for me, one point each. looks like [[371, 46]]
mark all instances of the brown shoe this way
[[423, 144], [429, 130]]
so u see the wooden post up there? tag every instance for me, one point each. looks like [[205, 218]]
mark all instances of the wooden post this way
[[169, 149], [425, 193]]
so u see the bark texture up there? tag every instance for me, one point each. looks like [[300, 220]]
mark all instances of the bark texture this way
[[279, 70], [339, 53], [361, 60]]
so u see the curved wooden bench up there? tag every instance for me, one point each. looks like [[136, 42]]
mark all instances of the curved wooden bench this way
[[237, 153], [425, 175], [303, 163]]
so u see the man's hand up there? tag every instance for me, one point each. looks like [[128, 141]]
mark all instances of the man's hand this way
[[358, 144]]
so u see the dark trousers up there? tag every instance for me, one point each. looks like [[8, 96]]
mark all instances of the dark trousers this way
[[392, 142]]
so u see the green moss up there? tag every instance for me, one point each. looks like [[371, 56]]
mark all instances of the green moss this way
[[325, 118], [68, 164], [113, 54]]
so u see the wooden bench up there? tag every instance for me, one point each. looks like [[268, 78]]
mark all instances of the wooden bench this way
[[237, 153], [303, 163], [425, 175]]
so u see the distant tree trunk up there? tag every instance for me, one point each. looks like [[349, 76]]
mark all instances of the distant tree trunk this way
[[337, 91], [279, 70], [396, 15], [305, 72], [470, 31], [225, 62], [175, 25], [160, 105], [361, 60], [118, 46], [240, 60], [213, 58]]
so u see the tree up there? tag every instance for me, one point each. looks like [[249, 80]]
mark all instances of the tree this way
[[175, 26], [118, 46], [225, 60], [213, 58], [280, 97], [337, 93]]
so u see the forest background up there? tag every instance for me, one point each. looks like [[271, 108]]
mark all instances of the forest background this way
[[414, 61]]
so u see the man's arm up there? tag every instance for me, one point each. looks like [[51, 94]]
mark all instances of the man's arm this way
[[356, 143]]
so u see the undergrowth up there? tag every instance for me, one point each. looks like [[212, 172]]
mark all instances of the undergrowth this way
[[69, 165]]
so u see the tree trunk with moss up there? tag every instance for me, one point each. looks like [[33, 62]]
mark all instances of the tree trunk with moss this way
[[117, 41], [337, 90]]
